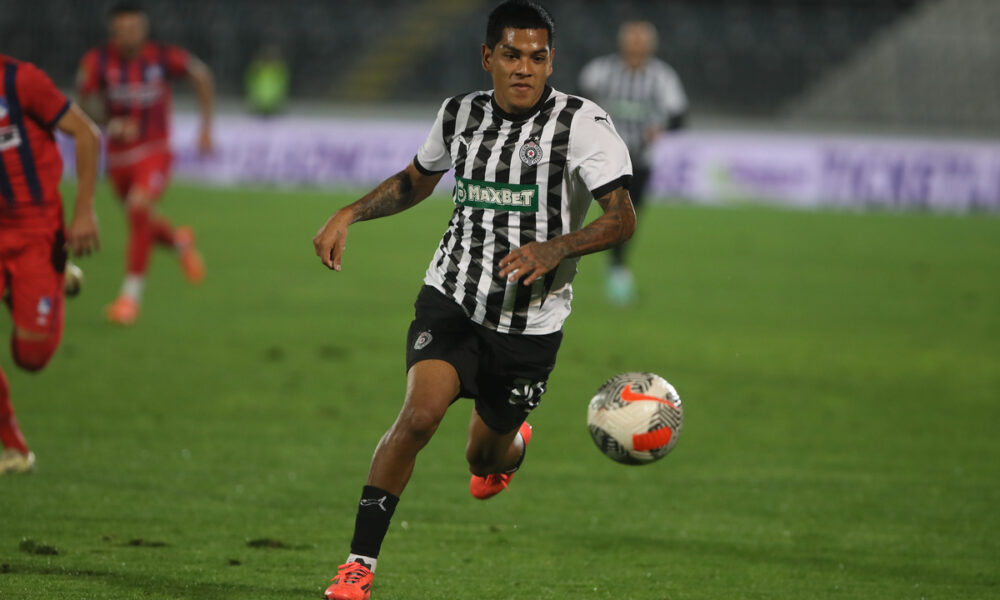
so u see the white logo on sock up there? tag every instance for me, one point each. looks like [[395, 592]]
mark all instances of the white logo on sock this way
[[372, 502]]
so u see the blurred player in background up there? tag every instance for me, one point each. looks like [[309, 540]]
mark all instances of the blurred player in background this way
[[528, 162], [645, 98], [124, 84], [33, 239]]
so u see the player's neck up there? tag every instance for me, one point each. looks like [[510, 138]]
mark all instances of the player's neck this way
[[128, 53], [635, 63], [516, 115]]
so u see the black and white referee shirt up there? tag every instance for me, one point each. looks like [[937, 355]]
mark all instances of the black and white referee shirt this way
[[638, 99], [518, 179]]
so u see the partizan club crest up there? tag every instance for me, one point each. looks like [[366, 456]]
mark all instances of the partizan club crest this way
[[423, 340], [531, 153]]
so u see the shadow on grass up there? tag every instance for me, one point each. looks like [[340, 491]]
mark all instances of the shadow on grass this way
[[150, 585], [866, 564]]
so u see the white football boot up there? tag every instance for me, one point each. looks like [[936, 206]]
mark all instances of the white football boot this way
[[13, 461]]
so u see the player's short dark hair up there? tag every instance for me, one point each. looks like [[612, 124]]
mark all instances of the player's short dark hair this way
[[125, 7], [518, 14]]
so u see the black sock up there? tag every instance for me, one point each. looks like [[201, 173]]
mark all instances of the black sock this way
[[374, 512]]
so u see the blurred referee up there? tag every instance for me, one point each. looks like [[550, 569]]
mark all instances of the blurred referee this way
[[645, 98]]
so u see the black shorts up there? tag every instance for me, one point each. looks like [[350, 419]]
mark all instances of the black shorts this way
[[505, 373]]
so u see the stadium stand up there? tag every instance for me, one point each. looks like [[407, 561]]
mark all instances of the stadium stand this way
[[939, 67], [847, 61]]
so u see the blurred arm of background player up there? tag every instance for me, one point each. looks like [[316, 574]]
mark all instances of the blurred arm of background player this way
[[396, 194], [671, 107], [204, 87], [81, 235]]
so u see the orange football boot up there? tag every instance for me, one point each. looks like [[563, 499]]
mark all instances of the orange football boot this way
[[123, 311], [191, 262], [353, 582], [491, 485]]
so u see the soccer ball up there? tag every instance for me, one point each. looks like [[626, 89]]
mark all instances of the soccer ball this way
[[73, 280], [636, 418]]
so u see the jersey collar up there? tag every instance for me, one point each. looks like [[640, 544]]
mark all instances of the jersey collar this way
[[525, 115]]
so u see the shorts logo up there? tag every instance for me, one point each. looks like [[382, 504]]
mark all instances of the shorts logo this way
[[156, 181], [526, 394], [531, 153], [423, 340], [44, 309]]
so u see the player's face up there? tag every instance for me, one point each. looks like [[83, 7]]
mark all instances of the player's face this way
[[520, 64], [129, 31], [636, 41]]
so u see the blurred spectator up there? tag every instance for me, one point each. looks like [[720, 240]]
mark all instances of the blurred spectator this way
[[645, 98], [267, 82]]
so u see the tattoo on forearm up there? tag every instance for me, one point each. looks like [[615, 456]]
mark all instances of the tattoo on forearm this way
[[393, 195], [614, 227]]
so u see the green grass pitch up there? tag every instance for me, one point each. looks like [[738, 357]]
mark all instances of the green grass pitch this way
[[840, 374]]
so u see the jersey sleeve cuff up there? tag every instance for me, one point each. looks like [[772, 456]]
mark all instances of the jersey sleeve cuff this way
[[59, 115], [424, 170], [622, 182]]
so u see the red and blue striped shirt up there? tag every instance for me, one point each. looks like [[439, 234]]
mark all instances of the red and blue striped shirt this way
[[136, 87], [30, 165]]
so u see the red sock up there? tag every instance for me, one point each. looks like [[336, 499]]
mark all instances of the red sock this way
[[163, 231], [10, 433], [140, 242]]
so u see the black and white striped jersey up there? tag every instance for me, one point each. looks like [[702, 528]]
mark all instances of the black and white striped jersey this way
[[518, 179], [651, 96]]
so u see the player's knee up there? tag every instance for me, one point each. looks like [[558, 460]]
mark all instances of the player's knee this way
[[418, 425], [34, 352]]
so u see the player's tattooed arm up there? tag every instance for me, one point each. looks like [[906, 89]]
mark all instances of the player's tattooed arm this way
[[396, 194], [615, 226], [393, 195]]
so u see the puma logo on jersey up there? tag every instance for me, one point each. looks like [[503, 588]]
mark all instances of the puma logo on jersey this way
[[604, 118]]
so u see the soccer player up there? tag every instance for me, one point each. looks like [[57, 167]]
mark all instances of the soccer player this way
[[33, 240], [125, 85], [528, 162], [645, 97]]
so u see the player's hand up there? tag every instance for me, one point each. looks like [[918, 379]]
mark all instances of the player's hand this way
[[330, 240], [531, 261], [206, 146], [125, 129], [81, 235]]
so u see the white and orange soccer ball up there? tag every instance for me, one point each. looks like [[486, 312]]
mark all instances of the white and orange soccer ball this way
[[636, 418]]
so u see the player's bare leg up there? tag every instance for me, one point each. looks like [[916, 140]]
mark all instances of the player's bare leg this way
[[493, 457], [490, 452], [431, 386]]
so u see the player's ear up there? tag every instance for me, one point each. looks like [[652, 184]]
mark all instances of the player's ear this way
[[487, 56], [552, 58]]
